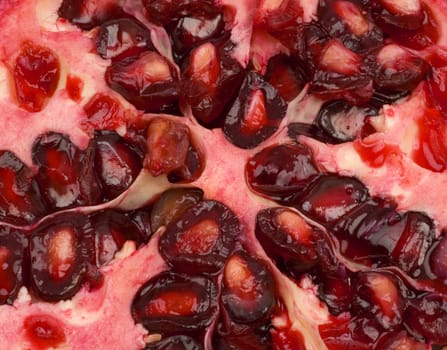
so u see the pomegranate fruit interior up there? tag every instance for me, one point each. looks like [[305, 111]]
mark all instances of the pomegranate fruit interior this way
[[223, 175]]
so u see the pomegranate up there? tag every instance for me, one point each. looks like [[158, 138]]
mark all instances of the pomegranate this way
[[207, 175]]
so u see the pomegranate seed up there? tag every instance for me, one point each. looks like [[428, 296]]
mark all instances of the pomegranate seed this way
[[149, 83], [122, 39], [191, 31], [399, 340], [397, 69], [167, 146], [241, 336], [338, 59], [172, 204], [202, 239], [248, 292], [281, 172], [12, 251], [287, 238], [192, 168], [278, 14], [378, 294], [44, 331], [211, 79], [255, 114], [285, 75], [336, 291], [88, 14], [177, 342], [57, 262], [332, 196], [426, 316], [438, 258], [103, 112], [413, 244], [117, 163], [65, 174], [20, 200], [407, 14], [111, 230], [36, 75], [170, 303]]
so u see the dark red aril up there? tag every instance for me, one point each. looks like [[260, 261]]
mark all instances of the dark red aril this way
[[398, 340], [286, 75], [191, 31], [288, 239], [65, 174], [281, 172], [87, 14], [167, 146], [336, 122], [406, 14], [338, 75], [36, 75], [12, 266], [349, 22], [103, 112], [117, 163], [176, 342], [233, 336], [111, 229], [277, 15], [162, 12], [414, 242], [378, 294], [172, 204], [248, 292], [394, 68], [170, 303], [192, 168], [150, 82], [58, 261], [255, 114], [210, 81], [44, 331], [426, 316], [437, 257], [122, 39], [20, 200], [202, 239], [332, 196]]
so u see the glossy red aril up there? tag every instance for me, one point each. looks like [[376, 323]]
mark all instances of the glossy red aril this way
[[88, 14], [65, 175], [426, 316], [286, 76], [407, 14], [202, 239], [255, 114], [191, 31], [332, 196], [117, 163], [12, 252], [103, 112], [414, 242], [232, 336], [276, 15], [338, 75], [123, 38], [281, 172], [172, 204], [288, 239], [379, 294], [177, 342], [111, 229], [36, 75], [438, 258], [44, 331], [149, 82], [348, 21], [210, 81], [20, 200], [248, 292], [167, 146], [170, 303], [397, 69], [57, 257], [399, 340], [336, 291]]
